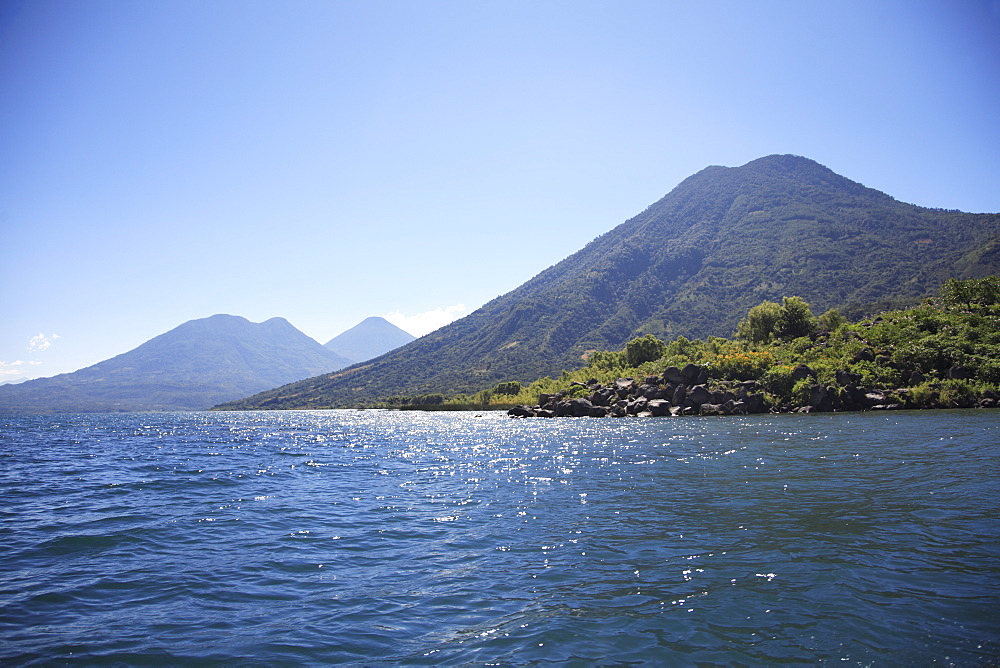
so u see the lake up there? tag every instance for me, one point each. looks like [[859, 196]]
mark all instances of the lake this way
[[265, 538]]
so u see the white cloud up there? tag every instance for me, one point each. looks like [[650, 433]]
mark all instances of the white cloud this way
[[37, 344], [12, 368], [426, 322]]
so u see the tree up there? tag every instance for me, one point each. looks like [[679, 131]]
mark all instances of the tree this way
[[758, 326], [974, 292], [794, 319], [508, 387], [831, 320], [646, 348]]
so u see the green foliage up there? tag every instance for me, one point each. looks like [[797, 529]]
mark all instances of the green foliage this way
[[972, 293], [794, 319], [924, 396], [831, 320], [881, 353], [778, 380], [646, 348], [758, 326], [956, 392], [735, 364], [801, 392], [606, 360], [509, 387], [691, 264]]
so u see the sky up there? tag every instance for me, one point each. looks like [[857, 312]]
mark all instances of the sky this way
[[167, 160]]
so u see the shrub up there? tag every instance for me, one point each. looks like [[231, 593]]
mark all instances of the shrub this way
[[956, 392], [831, 320], [794, 319], [509, 387], [646, 348], [923, 395], [802, 392], [606, 360], [778, 380], [873, 375], [742, 365], [758, 326]]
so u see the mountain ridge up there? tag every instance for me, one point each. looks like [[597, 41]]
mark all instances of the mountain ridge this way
[[691, 263], [193, 366], [370, 338]]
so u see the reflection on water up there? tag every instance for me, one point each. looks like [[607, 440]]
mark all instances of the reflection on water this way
[[341, 536]]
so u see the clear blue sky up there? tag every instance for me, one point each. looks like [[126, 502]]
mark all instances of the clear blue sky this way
[[326, 161]]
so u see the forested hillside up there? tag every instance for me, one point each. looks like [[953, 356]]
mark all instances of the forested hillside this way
[[691, 264], [943, 353]]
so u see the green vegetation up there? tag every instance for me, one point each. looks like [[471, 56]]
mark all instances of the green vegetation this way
[[943, 353], [692, 264]]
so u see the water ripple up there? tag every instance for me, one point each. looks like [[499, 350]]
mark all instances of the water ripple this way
[[419, 538]]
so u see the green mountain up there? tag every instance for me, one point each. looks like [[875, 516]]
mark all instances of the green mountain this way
[[194, 366], [691, 264], [369, 338]]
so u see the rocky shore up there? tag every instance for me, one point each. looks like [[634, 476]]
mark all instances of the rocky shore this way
[[690, 391]]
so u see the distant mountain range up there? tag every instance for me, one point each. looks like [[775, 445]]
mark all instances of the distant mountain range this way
[[369, 338], [691, 264], [196, 365]]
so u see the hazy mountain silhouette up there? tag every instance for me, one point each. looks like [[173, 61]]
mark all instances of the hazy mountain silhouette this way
[[370, 338], [196, 365], [691, 264]]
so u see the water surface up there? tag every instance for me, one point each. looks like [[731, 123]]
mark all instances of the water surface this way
[[445, 538]]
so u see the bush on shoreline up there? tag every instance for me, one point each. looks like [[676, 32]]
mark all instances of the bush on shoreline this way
[[944, 353]]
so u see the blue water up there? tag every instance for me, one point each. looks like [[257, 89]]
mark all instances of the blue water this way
[[448, 538]]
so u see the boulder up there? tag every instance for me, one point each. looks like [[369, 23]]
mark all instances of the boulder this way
[[872, 399], [801, 372], [680, 396], [659, 407], [690, 373], [845, 378], [819, 398], [864, 355], [521, 411], [673, 375], [625, 384], [637, 406], [698, 395], [648, 391], [603, 397], [573, 408]]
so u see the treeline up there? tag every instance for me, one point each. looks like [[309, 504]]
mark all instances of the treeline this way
[[943, 353]]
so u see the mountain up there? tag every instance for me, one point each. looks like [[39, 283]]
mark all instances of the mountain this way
[[370, 338], [691, 264], [194, 366]]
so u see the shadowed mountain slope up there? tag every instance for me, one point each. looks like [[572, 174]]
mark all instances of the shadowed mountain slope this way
[[369, 338], [691, 264], [194, 366]]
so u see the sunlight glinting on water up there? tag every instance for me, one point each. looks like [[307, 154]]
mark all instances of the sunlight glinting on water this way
[[447, 538]]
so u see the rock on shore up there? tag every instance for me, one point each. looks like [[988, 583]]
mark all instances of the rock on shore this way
[[687, 392]]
